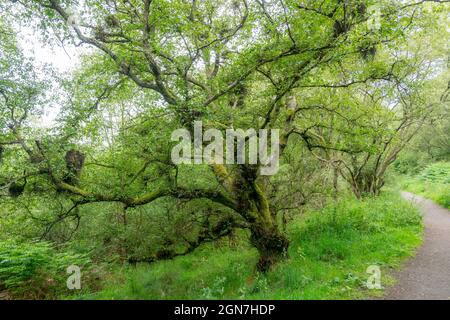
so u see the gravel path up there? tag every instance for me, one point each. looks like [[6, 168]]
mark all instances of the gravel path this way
[[427, 275]]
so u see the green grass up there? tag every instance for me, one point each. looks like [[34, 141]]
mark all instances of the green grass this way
[[433, 183], [329, 254]]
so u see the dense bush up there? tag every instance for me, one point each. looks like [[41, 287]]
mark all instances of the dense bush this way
[[433, 183], [38, 263], [370, 215], [437, 172]]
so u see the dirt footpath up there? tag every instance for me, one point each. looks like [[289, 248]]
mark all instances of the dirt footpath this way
[[427, 275]]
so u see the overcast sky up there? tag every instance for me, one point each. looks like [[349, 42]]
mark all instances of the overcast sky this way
[[62, 60]]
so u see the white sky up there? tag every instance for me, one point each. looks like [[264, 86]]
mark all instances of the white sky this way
[[62, 60]]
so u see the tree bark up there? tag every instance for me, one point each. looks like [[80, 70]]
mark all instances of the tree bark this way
[[254, 206], [272, 245], [335, 182]]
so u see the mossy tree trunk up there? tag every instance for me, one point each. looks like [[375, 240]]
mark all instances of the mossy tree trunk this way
[[367, 183], [272, 245], [253, 204]]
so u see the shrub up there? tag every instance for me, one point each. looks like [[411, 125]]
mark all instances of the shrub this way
[[40, 263], [433, 183], [437, 172]]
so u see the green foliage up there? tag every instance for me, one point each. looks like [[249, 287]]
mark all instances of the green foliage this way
[[346, 97], [410, 163], [433, 183], [38, 263], [436, 173], [329, 254], [371, 215]]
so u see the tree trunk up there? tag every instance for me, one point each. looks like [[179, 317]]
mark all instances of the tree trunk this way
[[271, 244], [367, 184], [254, 206], [335, 182]]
